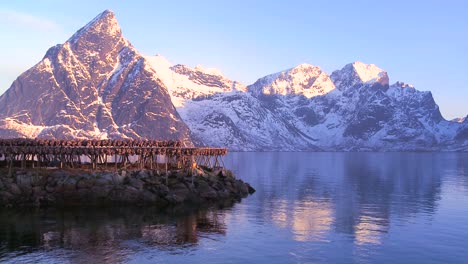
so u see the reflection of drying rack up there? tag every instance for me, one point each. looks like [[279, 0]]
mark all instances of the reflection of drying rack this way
[[127, 153]]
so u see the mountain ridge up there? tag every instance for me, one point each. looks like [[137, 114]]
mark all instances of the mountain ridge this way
[[97, 85]]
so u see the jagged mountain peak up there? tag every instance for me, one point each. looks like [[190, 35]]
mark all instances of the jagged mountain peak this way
[[103, 26], [368, 72], [402, 85], [210, 71], [106, 18], [302, 66], [199, 69], [357, 74], [161, 63], [301, 69], [305, 79], [95, 85], [186, 83], [95, 50], [460, 119]]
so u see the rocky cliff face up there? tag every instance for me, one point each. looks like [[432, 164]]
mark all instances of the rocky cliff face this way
[[95, 85]]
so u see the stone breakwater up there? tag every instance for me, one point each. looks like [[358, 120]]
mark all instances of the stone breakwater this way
[[73, 187]]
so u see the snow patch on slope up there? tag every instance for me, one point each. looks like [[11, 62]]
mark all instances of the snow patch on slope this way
[[211, 71], [304, 79], [368, 73], [459, 119], [28, 130]]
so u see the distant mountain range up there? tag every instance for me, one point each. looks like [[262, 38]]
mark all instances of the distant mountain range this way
[[97, 85]]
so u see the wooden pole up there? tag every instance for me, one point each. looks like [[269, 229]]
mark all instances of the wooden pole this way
[[192, 167]]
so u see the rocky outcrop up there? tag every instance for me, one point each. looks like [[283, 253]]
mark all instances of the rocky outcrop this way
[[57, 187]]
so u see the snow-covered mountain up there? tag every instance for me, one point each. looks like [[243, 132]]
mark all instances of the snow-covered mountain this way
[[220, 112], [305, 109], [97, 85]]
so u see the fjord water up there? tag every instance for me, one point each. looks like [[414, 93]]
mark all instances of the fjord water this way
[[308, 208]]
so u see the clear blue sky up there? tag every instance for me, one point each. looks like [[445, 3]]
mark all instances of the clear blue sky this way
[[424, 43]]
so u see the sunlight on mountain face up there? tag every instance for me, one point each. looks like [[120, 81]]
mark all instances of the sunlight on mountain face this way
[[97, 85]]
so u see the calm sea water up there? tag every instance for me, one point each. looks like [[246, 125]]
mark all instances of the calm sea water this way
[[308, 208]]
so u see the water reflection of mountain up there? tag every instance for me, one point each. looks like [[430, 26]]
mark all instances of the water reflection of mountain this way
[[356, 194], [105, 235]]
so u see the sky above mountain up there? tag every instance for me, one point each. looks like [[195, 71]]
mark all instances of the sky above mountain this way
[[420, 43]]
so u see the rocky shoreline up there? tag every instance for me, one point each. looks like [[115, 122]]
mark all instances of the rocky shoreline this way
[[77, 187]]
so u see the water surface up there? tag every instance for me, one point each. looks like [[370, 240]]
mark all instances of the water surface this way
[[308, 208]]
